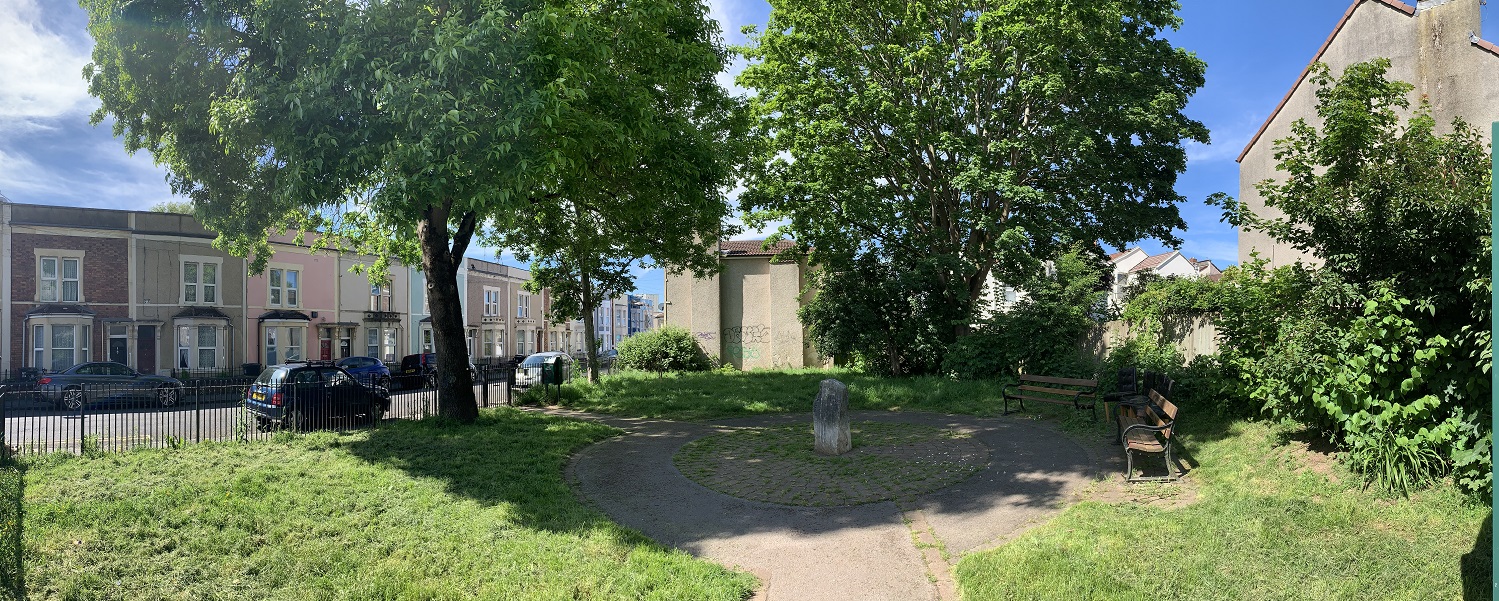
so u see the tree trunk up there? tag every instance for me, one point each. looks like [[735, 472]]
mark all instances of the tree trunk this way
[[588, 327], [455, 387]]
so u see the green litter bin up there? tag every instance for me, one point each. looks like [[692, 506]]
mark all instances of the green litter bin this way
[[551, 371]]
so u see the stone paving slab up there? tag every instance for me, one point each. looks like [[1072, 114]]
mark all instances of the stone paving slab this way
[[813, 553]]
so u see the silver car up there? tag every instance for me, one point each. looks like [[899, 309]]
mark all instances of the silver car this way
[[528, 373], [106, 381]]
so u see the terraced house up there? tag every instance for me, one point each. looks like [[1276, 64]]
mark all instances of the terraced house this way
[[149, 290]]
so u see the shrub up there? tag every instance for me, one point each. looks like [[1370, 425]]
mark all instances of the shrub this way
[[670, 348], [1039, 334]]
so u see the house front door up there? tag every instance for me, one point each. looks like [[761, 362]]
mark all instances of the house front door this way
[[118, 350], [145, 349]]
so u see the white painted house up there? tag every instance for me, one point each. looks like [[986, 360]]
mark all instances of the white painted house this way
[[1129, 264]]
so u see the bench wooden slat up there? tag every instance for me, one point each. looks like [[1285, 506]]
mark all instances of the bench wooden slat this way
[[1062, 381], [1057, 391], [1085, 402], [1144, 440]]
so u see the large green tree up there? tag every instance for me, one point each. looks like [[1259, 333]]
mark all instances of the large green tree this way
[[952, 137], [430, 116], [652, 142]]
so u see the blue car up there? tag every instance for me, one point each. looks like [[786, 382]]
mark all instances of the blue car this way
[[368, 370]]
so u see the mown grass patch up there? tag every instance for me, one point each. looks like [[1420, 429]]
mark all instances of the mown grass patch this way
[[1265, 527], [416, 510], [720, 394]]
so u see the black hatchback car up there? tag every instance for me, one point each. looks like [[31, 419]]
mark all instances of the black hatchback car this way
[[309, 395], [420, 371]]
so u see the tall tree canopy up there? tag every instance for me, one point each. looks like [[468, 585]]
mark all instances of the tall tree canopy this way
[[651, 149], [434, 116], [960, 139]]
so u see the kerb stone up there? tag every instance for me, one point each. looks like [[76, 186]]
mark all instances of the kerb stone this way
[[830, 419]]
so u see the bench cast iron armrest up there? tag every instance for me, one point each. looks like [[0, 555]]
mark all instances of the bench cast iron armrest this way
[[1005, 391], [1162, 427]]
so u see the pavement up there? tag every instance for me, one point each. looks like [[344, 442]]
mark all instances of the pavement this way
[[876, 551]]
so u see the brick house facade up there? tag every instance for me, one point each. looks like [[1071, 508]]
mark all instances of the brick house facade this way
[[150, 291]]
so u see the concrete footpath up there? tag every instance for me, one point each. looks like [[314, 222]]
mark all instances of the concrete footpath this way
[[875, 551]]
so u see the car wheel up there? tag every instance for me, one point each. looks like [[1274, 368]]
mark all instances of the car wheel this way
[[298, 420], [373, 414], [73, 399], [168, 395]]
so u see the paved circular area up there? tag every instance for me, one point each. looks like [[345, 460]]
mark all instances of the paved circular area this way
[[889, 550], [777, 464]]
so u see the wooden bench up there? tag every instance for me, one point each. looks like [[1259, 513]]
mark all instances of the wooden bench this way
[[1062, 391], [1148, 429]]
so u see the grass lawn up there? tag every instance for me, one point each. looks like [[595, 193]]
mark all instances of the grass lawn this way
[[714, 395], [414, 510], [1272, 521]]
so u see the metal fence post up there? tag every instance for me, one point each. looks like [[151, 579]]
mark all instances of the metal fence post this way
[[486, 386], [81, 429], [198, 412]]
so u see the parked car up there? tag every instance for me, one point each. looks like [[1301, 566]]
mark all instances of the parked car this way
[[310, 394], [528, 373], [420, 371], [21, 384], [368, 370], [106, 381]]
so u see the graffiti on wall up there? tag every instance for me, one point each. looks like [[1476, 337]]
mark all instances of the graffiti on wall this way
[[740, 351], [744, 342], [746, 335], [705, 336]]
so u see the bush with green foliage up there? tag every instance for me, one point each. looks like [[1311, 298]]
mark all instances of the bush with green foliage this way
[[1384, 349], [1040, 334], [670, 348]]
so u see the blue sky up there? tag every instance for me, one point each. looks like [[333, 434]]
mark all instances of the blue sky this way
[[49, 154]]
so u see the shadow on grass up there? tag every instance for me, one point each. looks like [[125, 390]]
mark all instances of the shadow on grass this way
[[1478, 565], [506, 457], [12, 568]]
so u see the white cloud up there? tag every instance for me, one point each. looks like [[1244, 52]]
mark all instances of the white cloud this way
[[100, 174], [40, 69], [731, 19], [1228, 141]]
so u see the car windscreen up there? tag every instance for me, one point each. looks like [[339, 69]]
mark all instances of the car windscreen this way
[[534, 361], [271, 377]]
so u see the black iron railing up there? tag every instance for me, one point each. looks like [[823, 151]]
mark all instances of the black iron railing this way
[[87, 417]]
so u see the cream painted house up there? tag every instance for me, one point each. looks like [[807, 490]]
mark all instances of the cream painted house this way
[[745, 316], [1435, 45]]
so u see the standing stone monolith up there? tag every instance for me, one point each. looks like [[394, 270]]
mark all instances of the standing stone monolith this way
[[830, 419]]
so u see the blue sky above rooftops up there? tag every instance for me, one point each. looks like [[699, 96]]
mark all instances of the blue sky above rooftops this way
[[49, 154]]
